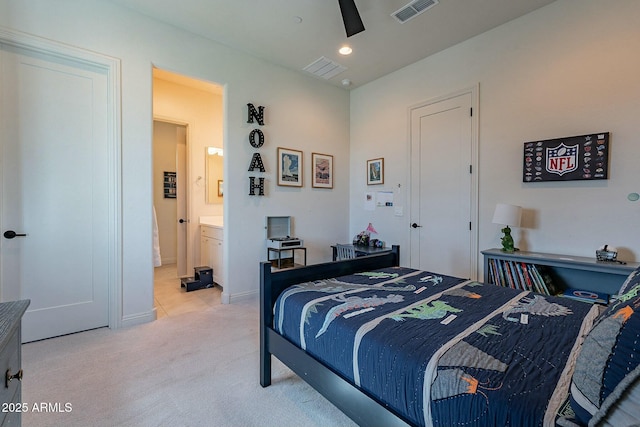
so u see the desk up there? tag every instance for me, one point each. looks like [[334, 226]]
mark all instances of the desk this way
[[293, 254], [363, 250]]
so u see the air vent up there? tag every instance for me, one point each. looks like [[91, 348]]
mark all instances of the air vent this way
[[413, 9], [324, 68]]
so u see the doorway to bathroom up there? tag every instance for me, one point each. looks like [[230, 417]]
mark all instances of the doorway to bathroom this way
[[187, 126]]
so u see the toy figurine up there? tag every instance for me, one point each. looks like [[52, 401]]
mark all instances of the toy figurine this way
[[507, 241]]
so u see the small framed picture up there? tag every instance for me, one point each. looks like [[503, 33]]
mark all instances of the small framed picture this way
[[375, 171], [289, 167], [322, 170]]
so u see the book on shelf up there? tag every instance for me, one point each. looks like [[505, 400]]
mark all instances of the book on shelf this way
[[494, 273], [540, 282], [503, 280], [521, 276], [549, 285], [527, 277], [507, 271], [497, 272], [523, 282]]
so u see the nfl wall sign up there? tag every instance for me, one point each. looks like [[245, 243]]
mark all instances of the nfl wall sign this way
[[567, 159]]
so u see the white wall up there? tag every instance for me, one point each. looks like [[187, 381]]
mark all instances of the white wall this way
[[301, 113], [570, 68], [567, 69]]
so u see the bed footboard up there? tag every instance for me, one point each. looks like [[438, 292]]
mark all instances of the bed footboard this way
[[359, 406], [273, 283]]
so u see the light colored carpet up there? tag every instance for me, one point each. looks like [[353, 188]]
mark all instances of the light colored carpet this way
[[193, 369]]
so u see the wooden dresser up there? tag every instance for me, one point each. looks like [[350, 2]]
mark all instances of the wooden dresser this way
[[11, 361]]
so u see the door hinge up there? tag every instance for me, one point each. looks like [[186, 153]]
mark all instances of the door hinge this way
[[471, 111], [469, 225], [470, 168]]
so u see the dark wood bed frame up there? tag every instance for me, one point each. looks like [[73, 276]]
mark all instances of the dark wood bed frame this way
[[355, 403]]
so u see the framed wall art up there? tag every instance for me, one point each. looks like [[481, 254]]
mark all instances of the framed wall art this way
[[170, 189], [322, 170], [584, 157], [375, 171], [289, 167]]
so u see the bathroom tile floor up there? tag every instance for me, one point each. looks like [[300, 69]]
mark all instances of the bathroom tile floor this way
[[171, 299]]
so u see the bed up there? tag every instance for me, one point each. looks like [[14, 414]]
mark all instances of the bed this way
[[393, 346]]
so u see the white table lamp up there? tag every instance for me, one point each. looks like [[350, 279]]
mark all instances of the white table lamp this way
[[509, 216]]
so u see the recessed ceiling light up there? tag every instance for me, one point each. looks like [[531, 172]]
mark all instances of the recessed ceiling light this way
[[345, 50]]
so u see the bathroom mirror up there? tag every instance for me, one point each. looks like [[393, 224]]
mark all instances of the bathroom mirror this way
[[214, 175]]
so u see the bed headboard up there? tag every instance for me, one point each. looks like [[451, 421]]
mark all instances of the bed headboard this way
[[273, 283]]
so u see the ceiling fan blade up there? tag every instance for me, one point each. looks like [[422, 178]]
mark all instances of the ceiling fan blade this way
[[352, 22]]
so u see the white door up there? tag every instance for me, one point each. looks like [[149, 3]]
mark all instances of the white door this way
[[441, 187], [56, 190], [182, 197], [170, 154]]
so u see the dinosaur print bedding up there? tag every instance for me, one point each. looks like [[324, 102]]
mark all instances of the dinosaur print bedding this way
[[441, 350]]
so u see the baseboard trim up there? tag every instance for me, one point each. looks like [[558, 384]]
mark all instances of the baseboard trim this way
[[139, 319], [244, 296]]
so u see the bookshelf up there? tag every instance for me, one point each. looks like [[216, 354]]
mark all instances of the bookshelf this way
[[565, 271]]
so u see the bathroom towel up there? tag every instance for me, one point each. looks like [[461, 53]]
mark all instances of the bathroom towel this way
[[157, 260]]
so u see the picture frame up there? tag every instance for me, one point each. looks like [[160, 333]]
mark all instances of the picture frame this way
[[321, 170], [220, 188], [375, 171], [572, 158], [290, 167], [170, 185]]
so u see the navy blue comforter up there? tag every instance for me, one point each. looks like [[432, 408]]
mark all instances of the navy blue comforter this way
[[440, 350]]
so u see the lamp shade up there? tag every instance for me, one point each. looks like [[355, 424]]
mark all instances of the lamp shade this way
[[507, 215]]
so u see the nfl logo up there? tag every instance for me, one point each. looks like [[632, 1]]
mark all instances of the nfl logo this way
[[562, 159]]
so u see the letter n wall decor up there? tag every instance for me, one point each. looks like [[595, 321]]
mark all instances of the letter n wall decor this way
[[256, 140]]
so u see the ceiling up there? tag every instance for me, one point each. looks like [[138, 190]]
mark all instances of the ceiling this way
[[296, 33]]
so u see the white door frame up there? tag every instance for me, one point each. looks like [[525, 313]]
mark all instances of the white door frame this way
[[111, 67], [474, 91]]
